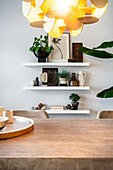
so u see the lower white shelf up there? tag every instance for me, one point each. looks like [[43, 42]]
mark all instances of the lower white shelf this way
[[68, 88], [74, 112]]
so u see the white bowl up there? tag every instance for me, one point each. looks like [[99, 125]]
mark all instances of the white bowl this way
[[3, 122]]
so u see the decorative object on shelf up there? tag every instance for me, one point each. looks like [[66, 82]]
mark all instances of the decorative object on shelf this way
[[44, 78], [40, 105], [56, 107], [40, 48], [51, 72], [77, 56], [43, 108], [82, 78], [63, 77], [2, 108], [68, 107], [36, 82], [75, 101], [106, 93], [57, 15], [33, 108], [56, 41], [73, 81], [61, 47], [9, 114]]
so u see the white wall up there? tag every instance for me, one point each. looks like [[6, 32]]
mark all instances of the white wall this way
[[16, 37]]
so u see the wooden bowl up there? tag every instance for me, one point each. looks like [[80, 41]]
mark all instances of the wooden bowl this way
[[3, 122]]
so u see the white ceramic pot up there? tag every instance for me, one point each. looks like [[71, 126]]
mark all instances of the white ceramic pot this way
[[63, 81]]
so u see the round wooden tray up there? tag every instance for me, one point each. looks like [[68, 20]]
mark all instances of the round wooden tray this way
[[20, 126]]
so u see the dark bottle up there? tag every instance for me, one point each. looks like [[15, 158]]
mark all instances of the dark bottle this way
[[73, 81]]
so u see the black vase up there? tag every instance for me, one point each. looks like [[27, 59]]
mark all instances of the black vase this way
[[41, 55]]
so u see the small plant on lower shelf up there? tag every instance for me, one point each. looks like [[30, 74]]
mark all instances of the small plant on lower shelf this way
[[75, 101], [74, 97]]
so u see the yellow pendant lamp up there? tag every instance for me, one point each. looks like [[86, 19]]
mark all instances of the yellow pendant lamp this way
[[57, 15]]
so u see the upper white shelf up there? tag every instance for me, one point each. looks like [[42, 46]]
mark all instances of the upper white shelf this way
[[58, 88], [77, 64]]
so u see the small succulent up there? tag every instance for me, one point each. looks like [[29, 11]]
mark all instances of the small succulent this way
[[74, 97], [63, 74]]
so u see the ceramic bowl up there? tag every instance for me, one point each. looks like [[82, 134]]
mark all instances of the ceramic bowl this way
[[3, 122]]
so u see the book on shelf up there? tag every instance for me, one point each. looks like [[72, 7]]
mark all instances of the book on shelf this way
[[56, 107]]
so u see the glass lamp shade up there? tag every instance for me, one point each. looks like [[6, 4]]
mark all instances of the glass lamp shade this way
[[57, 15], [58, 28], [26, 6], [99, 3], [72, 21], [99, 12], [48, 26], [75, 33], [82, 3], [48, 5], [36, 14]]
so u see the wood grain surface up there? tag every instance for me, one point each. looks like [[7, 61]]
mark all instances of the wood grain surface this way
[[60, 144]]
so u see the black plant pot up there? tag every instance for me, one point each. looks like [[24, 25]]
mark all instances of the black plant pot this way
[[74, 105], [41, 55]]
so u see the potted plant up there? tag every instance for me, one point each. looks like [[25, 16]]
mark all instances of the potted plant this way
[[75, 100], [40, 48], [63, 77], [102, 54]]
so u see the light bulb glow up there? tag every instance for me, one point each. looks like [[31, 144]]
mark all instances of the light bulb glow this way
[[64, 4]]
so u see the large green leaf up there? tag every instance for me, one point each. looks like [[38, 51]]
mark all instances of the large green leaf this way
[[107, 93], [105, 45], [96, 53]]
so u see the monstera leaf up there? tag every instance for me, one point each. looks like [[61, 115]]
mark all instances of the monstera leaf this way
[[96, 53], [107, 93], [105, 45]]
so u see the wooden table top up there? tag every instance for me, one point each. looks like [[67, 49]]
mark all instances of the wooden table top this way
[[62, 138]]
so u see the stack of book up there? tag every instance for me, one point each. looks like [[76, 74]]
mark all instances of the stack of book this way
[[56, 107]]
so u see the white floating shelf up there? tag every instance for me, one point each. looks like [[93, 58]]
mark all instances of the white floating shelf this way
[[57, 88], [77, 64], [52, 112]]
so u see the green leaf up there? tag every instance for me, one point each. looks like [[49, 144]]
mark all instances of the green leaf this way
[[105, 45], [37, 49], [40, 36], [36, 44], [46, 37], [35, 39], [48, 49], [31, 49], [96, 53], [107, 93]]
